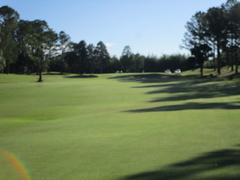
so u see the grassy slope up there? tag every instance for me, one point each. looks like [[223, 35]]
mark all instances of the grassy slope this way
[[131, 128]]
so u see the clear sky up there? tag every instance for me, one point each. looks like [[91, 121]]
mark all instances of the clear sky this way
[[149, 27]]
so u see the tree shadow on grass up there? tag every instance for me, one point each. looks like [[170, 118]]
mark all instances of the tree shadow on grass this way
[[159, 78], [186, 91], [200, 86], [180, 88], [189, 106], [193, 87], [54, 73], [217, 165], [82, 76], [151, 78]]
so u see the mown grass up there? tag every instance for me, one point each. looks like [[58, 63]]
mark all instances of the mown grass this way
[[125, 127]]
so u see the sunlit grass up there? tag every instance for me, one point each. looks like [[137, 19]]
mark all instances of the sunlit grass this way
[[116, 127]]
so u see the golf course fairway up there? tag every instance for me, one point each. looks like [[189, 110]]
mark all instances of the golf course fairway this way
[[119, 127]]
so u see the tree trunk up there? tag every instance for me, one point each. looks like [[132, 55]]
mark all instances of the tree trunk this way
[[40, 75], [232, 62], [231, 56], [218, 59], [236, 62], [214, 63], [214, 58], [7, 67], [201, 70]]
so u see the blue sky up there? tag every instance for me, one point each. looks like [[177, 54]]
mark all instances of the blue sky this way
[[149, 27]]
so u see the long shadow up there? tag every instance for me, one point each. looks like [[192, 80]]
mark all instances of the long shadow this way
[[181, 88], [199, 86], [189, 106], [207, 166], [152, 78], [192, 91], [82, 76], [157, 85], [55, 73]]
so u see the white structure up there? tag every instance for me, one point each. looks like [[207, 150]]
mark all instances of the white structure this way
[[117, 72], [168, 71], [178, 71]]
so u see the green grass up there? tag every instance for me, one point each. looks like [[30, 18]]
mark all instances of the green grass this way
[[123, 127]]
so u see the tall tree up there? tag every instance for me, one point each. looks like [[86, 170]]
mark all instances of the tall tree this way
[[232, 12], [196, 31], [196, 39], [150, 64], [72, 59], [8, 24], [24, 36], [216, 23], [50, 44], [2, 61], [201, 53], [102, 56], [138, 62], [126, 59], [114, 65], [81, 52], [38, 42], [64, 40], [91, 58], [43, 39]]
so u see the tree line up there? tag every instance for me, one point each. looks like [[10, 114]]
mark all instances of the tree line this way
[[215, 34], [33, 47]]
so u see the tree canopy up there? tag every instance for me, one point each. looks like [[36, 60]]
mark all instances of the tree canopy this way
[[8, 25], [218, 29]]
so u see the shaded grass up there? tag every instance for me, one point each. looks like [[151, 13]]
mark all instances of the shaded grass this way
[[92, 128], [209, 164]]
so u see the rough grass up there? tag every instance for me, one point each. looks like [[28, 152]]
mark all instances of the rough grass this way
[[125, 127]]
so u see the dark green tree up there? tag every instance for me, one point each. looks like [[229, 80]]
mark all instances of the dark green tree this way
[[172, 62], [114, 65], [102, 56], [196, 38], [8, 25], [72, 60], [44, 40], [138, 62], [232, 13], [196, 31], [81, 53], [64, 45], [216, 23], [2, 61], [126, 59], [91, 55], [150, 64], [38, 43], [25, 46], [201, 53]]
